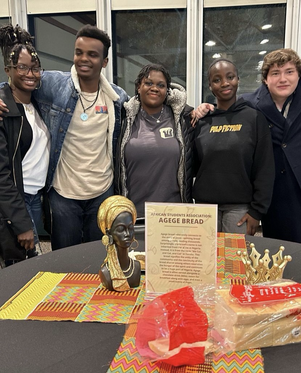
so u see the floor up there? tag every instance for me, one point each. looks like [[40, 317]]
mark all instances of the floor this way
[[45, 247]]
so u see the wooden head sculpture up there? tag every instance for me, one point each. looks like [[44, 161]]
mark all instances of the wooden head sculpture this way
[[116, 218]]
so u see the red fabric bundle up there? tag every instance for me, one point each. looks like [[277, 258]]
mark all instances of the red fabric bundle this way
[[169, 321]]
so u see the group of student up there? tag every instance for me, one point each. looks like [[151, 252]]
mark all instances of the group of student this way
[[80, 139]]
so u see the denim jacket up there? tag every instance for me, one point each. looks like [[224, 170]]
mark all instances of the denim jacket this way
[[57, 99]]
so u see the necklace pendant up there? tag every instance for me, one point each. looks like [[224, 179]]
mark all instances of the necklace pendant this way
[[28, 108], [84, 117], [158, 121]]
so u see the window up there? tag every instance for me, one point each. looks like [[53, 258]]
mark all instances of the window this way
[[243, 35], [3, 76], [148, 36], [55, 36]]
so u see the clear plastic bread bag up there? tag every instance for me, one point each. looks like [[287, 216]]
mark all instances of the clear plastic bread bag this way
[[182, 326]]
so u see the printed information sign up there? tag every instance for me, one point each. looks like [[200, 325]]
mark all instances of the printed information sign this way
[[180, 246]]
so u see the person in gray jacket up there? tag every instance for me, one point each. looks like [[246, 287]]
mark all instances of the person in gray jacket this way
[[154, 158]]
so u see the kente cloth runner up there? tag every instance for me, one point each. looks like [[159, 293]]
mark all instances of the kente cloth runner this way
[[71, 296], [229, 270]]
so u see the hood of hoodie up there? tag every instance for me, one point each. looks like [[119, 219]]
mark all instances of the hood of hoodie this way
[[237, 106]]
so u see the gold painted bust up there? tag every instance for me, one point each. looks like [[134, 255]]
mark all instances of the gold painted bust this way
[[116, 218]]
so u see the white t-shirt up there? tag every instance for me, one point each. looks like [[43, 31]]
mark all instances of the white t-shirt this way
[[85, 168], [36, 160]]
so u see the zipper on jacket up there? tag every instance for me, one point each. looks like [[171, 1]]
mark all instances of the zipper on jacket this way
[[16, 148]]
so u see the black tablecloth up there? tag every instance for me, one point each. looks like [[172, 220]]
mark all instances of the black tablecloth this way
[[65, 347], [58, 347]]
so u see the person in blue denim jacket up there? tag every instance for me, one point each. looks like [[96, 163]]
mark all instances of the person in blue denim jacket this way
[[83, 113]]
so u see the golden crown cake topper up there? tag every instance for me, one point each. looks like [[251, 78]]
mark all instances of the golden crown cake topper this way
[[257, 268]]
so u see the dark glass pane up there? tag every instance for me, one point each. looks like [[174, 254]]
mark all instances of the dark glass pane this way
[[148, 36], [3, 76], [55, 36], [238, 33]]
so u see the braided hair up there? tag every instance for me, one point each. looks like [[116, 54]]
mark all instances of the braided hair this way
[[144, 73], [12, 41]]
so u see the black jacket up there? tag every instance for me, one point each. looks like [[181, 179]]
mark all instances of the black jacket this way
[[13, 212], [283, 218], [286, 132]]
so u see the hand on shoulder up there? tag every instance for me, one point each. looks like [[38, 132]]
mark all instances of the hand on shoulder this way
[[203, 109], [3, 109]]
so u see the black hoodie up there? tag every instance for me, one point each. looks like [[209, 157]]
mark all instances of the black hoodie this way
[[233, 158]]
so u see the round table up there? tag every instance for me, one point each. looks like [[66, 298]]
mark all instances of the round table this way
[[64, 347]]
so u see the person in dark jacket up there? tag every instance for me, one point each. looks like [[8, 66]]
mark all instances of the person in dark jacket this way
[[279, 99], [153, 158], [24, 148], [82, 111], [233, 156]]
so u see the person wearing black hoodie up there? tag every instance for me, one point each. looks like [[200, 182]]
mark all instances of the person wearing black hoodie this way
[[233, 156]]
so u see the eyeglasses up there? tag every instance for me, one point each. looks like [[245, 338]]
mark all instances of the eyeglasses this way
[[24, 69]]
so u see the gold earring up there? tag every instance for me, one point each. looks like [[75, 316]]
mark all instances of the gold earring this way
[[137, 244], [40, 85], [107, 240], [9, 80]]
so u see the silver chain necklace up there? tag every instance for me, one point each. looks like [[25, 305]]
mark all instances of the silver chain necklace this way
[[84, 116], [86, 98], [158, 120]]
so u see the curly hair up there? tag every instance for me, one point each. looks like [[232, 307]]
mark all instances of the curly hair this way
[[280, 57], [94, 32], [144, 73], [12, 41]]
